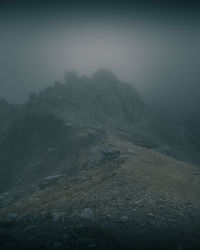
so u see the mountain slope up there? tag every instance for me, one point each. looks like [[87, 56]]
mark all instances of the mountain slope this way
[[139, 199], [56, 130], [85, 164]]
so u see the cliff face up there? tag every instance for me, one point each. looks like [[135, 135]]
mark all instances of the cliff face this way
[[56, 130]]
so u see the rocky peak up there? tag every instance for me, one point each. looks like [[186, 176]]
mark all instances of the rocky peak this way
[[70, 76], [104, 75]]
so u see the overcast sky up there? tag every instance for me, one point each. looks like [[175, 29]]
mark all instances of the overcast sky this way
[[154, 46]]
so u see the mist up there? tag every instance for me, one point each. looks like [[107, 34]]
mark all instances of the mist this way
[[155, 47], [99, 125]]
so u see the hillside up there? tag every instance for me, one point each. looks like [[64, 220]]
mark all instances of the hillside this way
[[90, 162], [63, 120], [138, 199]]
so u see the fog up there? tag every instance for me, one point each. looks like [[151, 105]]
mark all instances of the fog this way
[[93, 162], [154, 47]]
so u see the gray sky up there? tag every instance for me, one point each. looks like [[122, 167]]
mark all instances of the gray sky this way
[[155, 47]]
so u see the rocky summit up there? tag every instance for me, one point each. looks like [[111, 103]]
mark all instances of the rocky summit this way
[[85, 164]]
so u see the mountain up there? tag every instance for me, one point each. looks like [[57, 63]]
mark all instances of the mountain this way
[[89, 161], [66, 119]]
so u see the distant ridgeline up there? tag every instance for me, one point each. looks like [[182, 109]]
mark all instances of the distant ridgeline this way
[[52, 132]]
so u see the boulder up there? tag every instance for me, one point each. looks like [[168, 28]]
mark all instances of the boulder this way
[[104, 153], [87, 213], [50, 180], [57, 215]]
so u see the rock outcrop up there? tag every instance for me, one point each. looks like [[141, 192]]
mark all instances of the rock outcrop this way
[[65, 129]]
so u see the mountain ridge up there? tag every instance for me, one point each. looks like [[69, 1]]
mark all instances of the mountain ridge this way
[[73, 116], [86, 164]]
